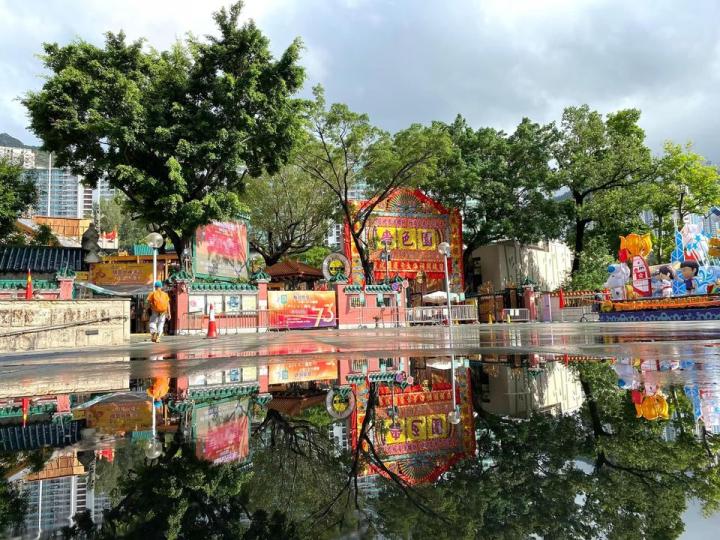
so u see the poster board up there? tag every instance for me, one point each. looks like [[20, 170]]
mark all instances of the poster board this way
[[301, 309], [221, 430], [317, 370], [220, 250]]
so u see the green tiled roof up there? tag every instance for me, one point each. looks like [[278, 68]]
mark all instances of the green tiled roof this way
[[38, 284], [40, 258], [181, 275], [143, 249], [368, 288], [221, 286]]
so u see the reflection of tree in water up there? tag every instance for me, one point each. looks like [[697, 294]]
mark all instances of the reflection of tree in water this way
[[600, 473]]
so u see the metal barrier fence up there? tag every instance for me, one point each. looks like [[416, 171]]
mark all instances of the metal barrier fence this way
[[438, 315], [243, 322], [516, 315]]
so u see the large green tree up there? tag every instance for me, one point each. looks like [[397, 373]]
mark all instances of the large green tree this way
[[175, 131], [17, 194], [501, 183], [347, 152], [290, 212], [595, 155]]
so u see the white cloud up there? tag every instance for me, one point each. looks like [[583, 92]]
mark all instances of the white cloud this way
[[494, 61]]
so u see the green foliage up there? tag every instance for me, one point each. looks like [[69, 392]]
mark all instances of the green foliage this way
[[593, 267], [501, 183], [596, 158], [289, 212], [179, 497], [686, 184], [345, 151], [315, 256], [176, 131], [13, 503], [17, 194], [297, 471], [44, 237], [116, 215]]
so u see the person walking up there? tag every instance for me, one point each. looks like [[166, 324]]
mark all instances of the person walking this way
[[159, 304]]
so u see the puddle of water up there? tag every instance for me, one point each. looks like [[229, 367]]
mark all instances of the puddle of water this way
[[551, 434]]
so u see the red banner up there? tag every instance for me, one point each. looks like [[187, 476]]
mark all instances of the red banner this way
[[301, 309], [409, 226]]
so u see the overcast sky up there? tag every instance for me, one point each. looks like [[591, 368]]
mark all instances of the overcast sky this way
[[416, 61]]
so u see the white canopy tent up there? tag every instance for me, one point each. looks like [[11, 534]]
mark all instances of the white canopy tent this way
[[440, 297]]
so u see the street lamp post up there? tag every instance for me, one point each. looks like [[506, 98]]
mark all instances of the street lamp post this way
[[454, 415], [155, 241]]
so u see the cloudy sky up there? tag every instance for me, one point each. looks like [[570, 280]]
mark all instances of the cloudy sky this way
[[494, 61]]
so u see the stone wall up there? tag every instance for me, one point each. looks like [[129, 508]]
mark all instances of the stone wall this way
[[63, 324]]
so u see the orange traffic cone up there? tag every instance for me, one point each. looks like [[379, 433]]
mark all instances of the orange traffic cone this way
[[212, 325]]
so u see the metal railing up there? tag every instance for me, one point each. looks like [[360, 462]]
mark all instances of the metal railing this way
[[516, 314], [438, 315]]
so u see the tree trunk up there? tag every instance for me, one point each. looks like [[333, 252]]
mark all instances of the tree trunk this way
[[580, 226], [179, 243], [364, 255]]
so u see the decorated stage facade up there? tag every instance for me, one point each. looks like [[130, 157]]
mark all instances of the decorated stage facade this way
[[410, 226]]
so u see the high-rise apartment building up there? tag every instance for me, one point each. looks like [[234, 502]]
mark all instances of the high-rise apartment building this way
[[62, 194], [24, 157]]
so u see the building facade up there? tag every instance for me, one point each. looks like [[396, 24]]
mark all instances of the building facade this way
[[19, 156]]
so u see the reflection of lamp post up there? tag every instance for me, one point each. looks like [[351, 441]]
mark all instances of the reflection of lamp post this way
[[454, 415], [154, 448], [155, 241]]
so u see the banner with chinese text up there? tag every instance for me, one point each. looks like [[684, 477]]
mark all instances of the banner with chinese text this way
[[301, 309], [410, 226]]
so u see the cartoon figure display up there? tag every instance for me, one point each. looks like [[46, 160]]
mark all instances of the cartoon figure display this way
[[616, 281], [638, 247], [689, 273], [665, 276]]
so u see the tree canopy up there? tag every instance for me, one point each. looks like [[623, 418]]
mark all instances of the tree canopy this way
[[347, 153], [176, 131], [593, 156], [289, 212], [17, 194]]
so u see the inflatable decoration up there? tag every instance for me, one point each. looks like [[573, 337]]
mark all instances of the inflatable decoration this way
[[637, 247], [694, 242], [654, 407], [617, 280]]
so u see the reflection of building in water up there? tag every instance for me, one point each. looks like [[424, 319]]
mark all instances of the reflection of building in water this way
[[55, 494], [520, 392], [340, 435]]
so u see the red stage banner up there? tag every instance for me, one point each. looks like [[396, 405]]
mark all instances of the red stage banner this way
[[418, 443], [412, 226]]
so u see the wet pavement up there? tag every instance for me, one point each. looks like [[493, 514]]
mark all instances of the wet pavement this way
[[614, 394]]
